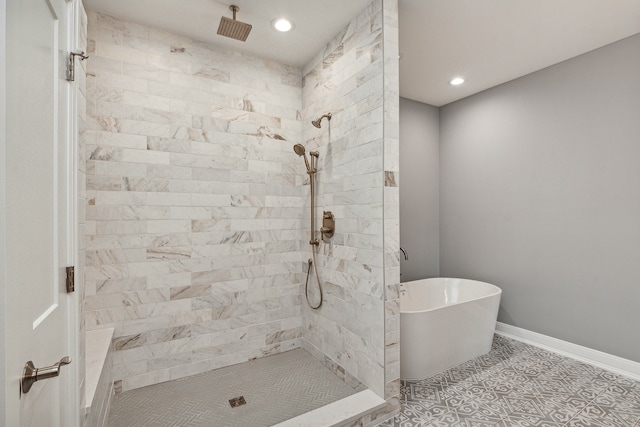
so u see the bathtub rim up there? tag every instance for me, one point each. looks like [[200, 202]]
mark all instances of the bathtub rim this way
[[495, 292]]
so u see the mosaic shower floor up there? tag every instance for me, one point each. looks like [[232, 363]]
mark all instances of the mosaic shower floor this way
[[275, 388], [518, 385]]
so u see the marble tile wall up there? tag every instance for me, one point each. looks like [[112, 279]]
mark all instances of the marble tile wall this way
[[197, 232], [194, 202], [346, 79], [391, 213], [81, 188], [391, 206]]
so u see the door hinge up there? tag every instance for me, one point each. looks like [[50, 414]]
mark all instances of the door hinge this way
[[71, 68], [70, 279]]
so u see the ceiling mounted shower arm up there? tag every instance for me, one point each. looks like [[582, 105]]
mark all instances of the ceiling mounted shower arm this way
[[233, 28]]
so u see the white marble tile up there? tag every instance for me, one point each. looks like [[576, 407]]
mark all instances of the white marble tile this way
[[98, 343], [235, 193], [338, 413], [391, 164]]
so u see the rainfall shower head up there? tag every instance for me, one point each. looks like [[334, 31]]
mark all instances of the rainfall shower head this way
[[232, 28], [317, 122], [300, 151]]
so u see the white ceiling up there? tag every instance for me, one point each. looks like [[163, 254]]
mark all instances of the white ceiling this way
[[488, 42], [316, 22]]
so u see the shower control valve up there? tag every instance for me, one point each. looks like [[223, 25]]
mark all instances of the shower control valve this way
[[328, 224]]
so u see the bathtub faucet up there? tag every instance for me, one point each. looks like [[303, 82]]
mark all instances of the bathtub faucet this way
[[406, 257]]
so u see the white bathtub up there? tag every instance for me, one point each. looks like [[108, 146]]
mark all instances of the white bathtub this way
[[443, 323]]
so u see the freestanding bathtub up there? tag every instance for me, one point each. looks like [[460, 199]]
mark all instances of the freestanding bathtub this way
[[444, 322]]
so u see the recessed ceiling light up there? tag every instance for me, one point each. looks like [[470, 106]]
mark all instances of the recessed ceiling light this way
[[282, 24], [456, 81]]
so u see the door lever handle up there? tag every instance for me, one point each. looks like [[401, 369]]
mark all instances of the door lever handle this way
[[31, 374]]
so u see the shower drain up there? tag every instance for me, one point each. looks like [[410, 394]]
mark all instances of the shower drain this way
[[237, 401]]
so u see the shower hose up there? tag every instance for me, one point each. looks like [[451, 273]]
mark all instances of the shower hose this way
[[306, 285]]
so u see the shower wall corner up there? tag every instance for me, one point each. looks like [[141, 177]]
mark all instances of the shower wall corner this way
[[193, 202], [355, 78], [391, 233], [193, 197]]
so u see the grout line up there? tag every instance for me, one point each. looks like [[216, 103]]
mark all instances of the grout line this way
[[502, 365], [587, 405]]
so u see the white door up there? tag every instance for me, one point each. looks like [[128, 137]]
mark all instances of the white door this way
[[38, 175]]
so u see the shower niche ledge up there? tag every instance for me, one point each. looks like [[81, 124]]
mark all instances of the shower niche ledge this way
[[98, 377]]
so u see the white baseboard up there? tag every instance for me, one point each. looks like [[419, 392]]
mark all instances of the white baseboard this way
[[616, 364]]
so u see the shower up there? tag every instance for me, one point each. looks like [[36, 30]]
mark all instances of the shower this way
[[317, 121], [216, 229], [328, 223], [300, 151], [233, 28]]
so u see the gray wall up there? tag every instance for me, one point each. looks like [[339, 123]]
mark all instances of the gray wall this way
[[3, 206], [540, 194], [419, 217]]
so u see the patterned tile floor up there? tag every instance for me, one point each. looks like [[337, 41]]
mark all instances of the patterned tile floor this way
[[518, 385]]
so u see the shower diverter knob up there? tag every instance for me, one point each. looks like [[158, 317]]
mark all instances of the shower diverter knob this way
[[328, 224]]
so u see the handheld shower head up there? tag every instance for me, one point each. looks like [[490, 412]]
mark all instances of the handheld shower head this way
[[318, 121], [300, 151]]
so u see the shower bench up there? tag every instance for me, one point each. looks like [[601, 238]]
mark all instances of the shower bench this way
[[98, 377]]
